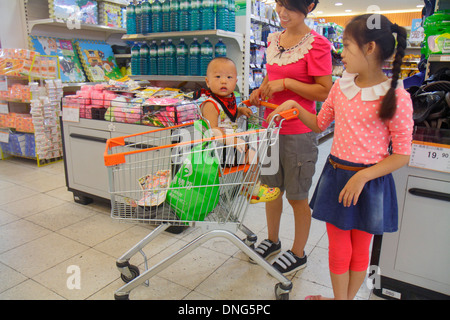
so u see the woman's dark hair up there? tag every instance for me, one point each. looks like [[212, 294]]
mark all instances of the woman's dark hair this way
[[375, 27], [298, 5]]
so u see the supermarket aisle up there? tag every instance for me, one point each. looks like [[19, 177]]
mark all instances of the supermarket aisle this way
[[45, 238]]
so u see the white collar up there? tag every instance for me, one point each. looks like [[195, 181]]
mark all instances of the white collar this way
[[350, 89]]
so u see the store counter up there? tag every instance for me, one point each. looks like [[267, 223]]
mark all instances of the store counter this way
[[414, 262]]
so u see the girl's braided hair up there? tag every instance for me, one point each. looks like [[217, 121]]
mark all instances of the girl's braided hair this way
[[375, 27]]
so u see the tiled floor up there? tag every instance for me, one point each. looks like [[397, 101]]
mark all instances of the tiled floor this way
[[44, 234]]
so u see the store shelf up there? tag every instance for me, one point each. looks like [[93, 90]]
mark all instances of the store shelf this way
[[265, 20], [122, 3], [238, 37], [168, 78], [122, 55], [82, 26], [178, 79], [439, 58]]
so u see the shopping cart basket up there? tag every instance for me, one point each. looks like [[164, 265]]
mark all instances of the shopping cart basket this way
[[180, 176]]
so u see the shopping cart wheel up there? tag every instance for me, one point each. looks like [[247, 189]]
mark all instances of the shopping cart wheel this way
[[282, 291], [251, 240], [121, 297], [134, 273]]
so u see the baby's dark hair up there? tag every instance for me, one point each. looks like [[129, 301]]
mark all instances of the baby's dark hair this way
[[220, 59], [298, 5], [375, 27]]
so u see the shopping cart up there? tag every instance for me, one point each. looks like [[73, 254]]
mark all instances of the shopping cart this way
[[180, 176]]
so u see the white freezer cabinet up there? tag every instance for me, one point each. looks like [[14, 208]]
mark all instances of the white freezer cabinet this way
[[84, 145], [414, 262]]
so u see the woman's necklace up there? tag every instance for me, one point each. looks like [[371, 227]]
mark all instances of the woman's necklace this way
[[281, 49]]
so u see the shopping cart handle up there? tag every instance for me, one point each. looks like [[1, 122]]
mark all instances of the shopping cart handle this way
[[263, 103], [287, 115]]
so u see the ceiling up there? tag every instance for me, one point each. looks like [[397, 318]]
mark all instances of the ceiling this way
[[328, 7]]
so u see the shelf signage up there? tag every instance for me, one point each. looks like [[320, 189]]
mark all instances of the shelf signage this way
[[71, 114], [431, 156]]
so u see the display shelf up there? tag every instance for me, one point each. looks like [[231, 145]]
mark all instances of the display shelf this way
[[168, 78], [165, 80], [436, 62], [238, 37], [439, 58], [15, 100], [55, 23], [271, 22]]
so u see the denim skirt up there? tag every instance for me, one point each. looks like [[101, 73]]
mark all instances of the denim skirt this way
[[375, 212]]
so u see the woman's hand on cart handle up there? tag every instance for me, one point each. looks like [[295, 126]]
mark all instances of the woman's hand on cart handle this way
[[261, 103], [255, 98]]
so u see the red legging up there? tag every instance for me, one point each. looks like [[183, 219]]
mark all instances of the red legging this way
[[348, 249]]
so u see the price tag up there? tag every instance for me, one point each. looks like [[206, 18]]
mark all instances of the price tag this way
[[4, 136], [3, 83], [4, 108], [432, 156], [71, 114]]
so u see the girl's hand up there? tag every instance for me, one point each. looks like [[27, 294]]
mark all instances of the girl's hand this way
[[282, 107], [352, 190], [271, 87], [350, 193]]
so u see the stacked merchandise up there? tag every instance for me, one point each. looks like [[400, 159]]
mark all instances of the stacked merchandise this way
[[79, 57], [45, 111], [34, 134], [437, 35], [69, 63], [124, 102], [22, 62], [180, 15], [20, 144], [168, 58], [110, 14], [81, 11]]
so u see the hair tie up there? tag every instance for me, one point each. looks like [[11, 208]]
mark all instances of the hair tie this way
[[394, 28]]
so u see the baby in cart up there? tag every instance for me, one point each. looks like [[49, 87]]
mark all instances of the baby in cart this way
[[221, 111]]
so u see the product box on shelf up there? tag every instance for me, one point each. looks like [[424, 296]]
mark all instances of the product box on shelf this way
[[20, 144], [85, 11], [70, 69], [110, 14], [22, 62], [16, 62]]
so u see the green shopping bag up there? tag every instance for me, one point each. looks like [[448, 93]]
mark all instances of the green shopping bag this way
[[194, 190]]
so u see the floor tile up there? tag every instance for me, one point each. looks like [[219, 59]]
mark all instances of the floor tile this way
[[10, 277], [238, 280], [32, 205], [29, 290], [15, 193], [19, 232], [80, 276], [93, 230], [37, 256], [61, 216]]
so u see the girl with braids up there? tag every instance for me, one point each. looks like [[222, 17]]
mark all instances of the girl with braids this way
[[355, 194], [298, 68]]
